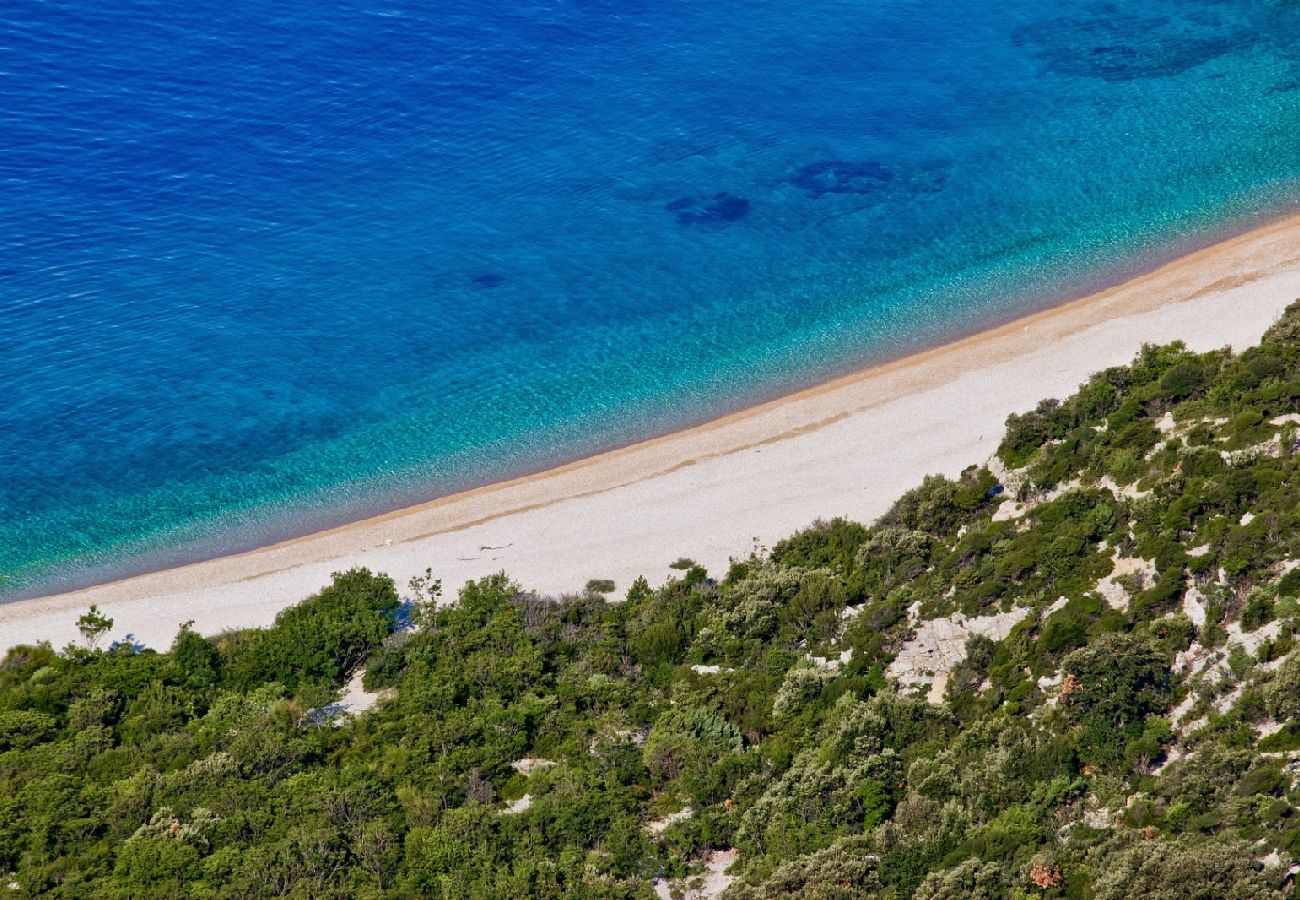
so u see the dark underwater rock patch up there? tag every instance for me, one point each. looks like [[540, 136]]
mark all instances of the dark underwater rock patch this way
[[719, 209], [871, 179], [838, 176], [488, 280], [1115, 45]]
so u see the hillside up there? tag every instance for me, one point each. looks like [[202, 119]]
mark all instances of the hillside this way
[[1070, 673]]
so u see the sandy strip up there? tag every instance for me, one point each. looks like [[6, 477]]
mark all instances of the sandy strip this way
[[845, 448]]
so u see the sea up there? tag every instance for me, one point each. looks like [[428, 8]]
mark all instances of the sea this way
[[267, 267]]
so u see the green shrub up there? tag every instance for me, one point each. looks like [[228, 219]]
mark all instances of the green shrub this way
[[24, 728], [325, 637]]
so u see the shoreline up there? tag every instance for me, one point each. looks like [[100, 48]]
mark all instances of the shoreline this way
[[312, 522], [710, 491], [308, 522]]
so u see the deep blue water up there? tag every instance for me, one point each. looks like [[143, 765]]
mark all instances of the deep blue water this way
[[266, 266]]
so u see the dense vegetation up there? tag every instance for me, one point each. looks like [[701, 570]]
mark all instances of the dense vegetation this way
[[1133, 730]]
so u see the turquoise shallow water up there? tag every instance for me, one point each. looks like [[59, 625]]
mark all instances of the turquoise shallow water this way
[[264, 269]]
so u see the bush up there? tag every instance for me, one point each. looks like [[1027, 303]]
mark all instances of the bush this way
[[686, 744], [325, 637], [23, 728], [1119, 681], [1183, 380], [1027, 432], [1185, 869], [1282, 694]]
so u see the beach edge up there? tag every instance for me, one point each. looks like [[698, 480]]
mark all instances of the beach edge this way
[[1223, 294]]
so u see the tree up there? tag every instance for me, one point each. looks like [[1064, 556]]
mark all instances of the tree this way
[[1282, 695], [968, 880], [687, 744], [1120, 680], [426, 592], [1199, 870], [195, 659], [843, 871], [93, 626], [326, 636]]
